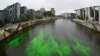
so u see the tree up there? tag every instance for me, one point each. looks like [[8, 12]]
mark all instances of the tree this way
[[49, 14], [38, 17], [80, 17], [23, 18], [86, 17], [1, 24]]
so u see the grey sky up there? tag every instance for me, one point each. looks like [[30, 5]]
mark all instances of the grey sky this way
[[60, 6]]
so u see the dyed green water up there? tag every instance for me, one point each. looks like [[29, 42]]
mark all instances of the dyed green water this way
[[18, 39], [81, 48], [43, 45]]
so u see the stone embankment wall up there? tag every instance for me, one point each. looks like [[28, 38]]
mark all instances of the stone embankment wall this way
[[11, 29], [91, 25]]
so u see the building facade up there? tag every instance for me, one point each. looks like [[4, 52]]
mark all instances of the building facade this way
[[23, 10], [71, 15], [42, 10], [12, 13], [38, 13], [53, 10], [31, 13], [2, 17], [89, 13], [15, 13]]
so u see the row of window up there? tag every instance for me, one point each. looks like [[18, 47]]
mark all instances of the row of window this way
[[12, 18], [12, 6]]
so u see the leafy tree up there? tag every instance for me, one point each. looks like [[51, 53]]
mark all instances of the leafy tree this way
[[86, 17], [48, 14], [38, 17], [1, 24], [29, 17], [23, 18], [80, 17]]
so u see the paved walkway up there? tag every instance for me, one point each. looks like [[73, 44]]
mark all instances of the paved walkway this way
[[10, 28], [90, 24]]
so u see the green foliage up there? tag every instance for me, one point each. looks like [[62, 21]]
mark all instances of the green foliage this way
[[86, 17], [38, 17], [29, 17], [82, 18], [1, 24], [23, 18], [48, 13]]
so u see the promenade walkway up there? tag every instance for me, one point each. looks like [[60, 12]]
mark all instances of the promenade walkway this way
[[90, 24], [11, 28]]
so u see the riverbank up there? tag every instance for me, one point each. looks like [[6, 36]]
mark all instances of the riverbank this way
[[91, 25], [12, 29]]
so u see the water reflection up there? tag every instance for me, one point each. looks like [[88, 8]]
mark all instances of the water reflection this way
[[47, 47], [2, 49], [60, 38]]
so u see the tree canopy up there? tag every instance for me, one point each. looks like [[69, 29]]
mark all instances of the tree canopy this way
[[48, 13]]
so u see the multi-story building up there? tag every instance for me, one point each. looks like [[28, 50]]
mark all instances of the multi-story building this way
[[64, 15], [23, 10], [31, 13], [42, 10], [12, 13], [89, 13], [53, 10], [2, 17], [38, 13], [71, 15]]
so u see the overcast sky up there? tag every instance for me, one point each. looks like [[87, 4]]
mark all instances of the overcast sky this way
[[60, 6]]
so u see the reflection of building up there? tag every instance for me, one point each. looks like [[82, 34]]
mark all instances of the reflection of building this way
[[12, 13], [92, 13], [31, 13], [2, 16], [53, 10]]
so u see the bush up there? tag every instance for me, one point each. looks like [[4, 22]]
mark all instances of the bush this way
[[23, 18], [80, 17], [48, 14], [38, 17], [86, 17], [1, 24]]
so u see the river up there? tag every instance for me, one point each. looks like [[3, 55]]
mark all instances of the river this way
[[61, 37]]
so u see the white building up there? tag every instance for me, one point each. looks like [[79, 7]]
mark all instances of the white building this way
[[38, 13], [42, 10], [53, 10], [92, 13]]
